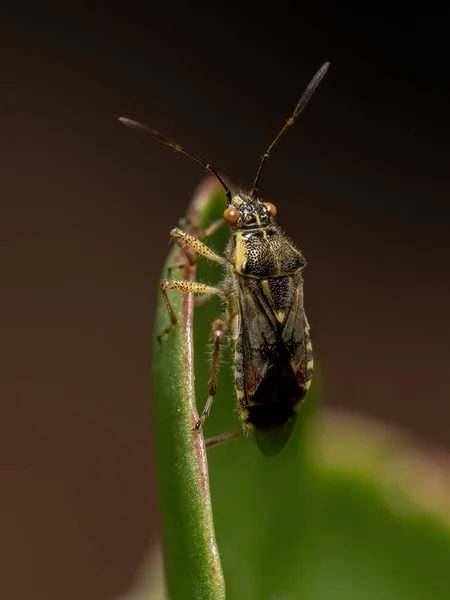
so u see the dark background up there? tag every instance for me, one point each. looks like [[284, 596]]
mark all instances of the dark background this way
[[361, 184]]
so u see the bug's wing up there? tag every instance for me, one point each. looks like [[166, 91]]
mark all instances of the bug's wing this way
[[296, 337], [258, 334], [275, 355], [272, 442], [274, 330]]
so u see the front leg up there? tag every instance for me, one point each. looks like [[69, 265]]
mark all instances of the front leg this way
[[185, 239], [215, 226], [181, 285], [184, 222], [192, 245]]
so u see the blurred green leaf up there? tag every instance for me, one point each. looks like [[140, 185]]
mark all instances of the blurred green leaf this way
[[347, 511]]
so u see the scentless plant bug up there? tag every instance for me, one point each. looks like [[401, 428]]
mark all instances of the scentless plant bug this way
[[263, 293]]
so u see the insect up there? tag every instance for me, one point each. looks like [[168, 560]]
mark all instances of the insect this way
[[263, 291]]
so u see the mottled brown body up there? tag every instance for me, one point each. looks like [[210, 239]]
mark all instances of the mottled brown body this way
[[264, 316], [263, 291], [266, 322]]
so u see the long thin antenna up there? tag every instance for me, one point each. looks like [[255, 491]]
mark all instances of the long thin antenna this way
[[165, 140], [298, 109]]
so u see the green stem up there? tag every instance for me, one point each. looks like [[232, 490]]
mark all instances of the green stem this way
[[191, 557]]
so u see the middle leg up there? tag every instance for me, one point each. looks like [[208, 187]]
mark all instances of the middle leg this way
[[181, 285], [217, 334]]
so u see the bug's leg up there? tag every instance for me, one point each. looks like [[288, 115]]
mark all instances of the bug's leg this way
[[221, 439], [217, 334], [174, 267], [185, 239], [192, 245], [215, 225], [205, 234], [200, 300], [184, 223], [191, 260], [182, 285]]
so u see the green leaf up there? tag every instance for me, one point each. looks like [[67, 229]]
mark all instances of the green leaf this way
[[349, 510]]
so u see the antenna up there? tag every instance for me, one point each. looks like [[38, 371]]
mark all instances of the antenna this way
[[165, 140], [298, 109]]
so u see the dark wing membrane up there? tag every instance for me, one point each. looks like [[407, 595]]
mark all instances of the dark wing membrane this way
[[273, 336], [258, 329], [296, 336], [273, 441]]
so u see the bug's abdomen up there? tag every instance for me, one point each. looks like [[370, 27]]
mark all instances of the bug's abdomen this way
[[277, 397]]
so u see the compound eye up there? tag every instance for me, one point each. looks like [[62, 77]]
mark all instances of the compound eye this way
[[231, 214], [270, 209]]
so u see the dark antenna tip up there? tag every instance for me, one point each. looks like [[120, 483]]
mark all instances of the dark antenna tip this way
[[127, 122], [304, 99], [135, 125]]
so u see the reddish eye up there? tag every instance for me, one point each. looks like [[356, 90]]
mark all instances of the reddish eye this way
[[270, 209], [231, 214]]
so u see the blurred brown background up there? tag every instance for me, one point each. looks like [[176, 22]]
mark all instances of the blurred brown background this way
[[362, 184]]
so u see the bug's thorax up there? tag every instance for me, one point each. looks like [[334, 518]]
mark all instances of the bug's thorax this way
[[258, 247]]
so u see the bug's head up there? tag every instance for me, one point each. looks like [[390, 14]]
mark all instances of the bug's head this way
[[244, 211]]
